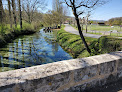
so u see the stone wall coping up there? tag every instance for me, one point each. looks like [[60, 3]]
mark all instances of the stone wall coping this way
[[41, 71]]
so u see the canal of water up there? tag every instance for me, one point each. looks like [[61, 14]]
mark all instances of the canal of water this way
[[30, 50]]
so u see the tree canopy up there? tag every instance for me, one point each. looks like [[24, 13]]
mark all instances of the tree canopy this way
[[115, 21]]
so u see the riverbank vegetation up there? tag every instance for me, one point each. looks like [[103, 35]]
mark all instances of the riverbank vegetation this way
[[24, 17], [8, 34], [73, 44], [19, 17]]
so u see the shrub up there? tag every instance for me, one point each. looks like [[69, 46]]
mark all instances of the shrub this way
[[3, 29], [28, 27]]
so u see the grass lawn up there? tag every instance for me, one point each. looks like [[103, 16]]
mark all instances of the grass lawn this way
[[100, 28], [103, 28], [115, 34]]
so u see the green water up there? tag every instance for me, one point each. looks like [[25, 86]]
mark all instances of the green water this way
[[39, 48]]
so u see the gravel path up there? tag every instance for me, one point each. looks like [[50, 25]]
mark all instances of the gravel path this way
[[70, 29]]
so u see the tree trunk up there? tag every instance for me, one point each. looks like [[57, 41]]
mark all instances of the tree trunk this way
[[86, 28], [9, 7], [14, 8], [20, 13], [90, 27], [80, 31], [1, 12], [60, 24], [29, 18], [86, 24], [82, 27]]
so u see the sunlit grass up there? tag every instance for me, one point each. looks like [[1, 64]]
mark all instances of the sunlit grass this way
[[116, 34], [100, 28], [73, 44], [5, 28], [103, 28]]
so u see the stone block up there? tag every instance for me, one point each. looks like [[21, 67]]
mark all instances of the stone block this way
[[107, 67], [119, 65], [85, 73], [50, 83]]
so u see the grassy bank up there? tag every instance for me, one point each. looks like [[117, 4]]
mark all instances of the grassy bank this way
[[7, 34], [73, 44]]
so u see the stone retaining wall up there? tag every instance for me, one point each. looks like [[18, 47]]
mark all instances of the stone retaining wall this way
[[64, 76]]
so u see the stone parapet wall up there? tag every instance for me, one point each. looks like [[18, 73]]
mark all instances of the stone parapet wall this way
[[64, 76]]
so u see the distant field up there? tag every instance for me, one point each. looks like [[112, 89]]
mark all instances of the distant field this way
[[101, 28]]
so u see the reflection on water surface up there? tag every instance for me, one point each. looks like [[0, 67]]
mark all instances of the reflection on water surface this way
[[36, 49]]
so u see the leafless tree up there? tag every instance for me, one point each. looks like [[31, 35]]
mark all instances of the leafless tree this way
[[9, 8], [61, 11], [86, 22], [76, 6], [55, 5], [14, 14], [20, 13], [30, 7], [48, 19], [1, 12]]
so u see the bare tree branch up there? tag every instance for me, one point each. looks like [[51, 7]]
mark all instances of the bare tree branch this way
[[88, 4], [80, 13], [68, 4], [85, 5], [31, 7]]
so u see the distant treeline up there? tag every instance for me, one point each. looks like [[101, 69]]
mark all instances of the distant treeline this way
[[114, 21]]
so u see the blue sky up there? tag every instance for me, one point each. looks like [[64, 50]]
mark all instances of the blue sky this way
[[109, 10], [112, 9]]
